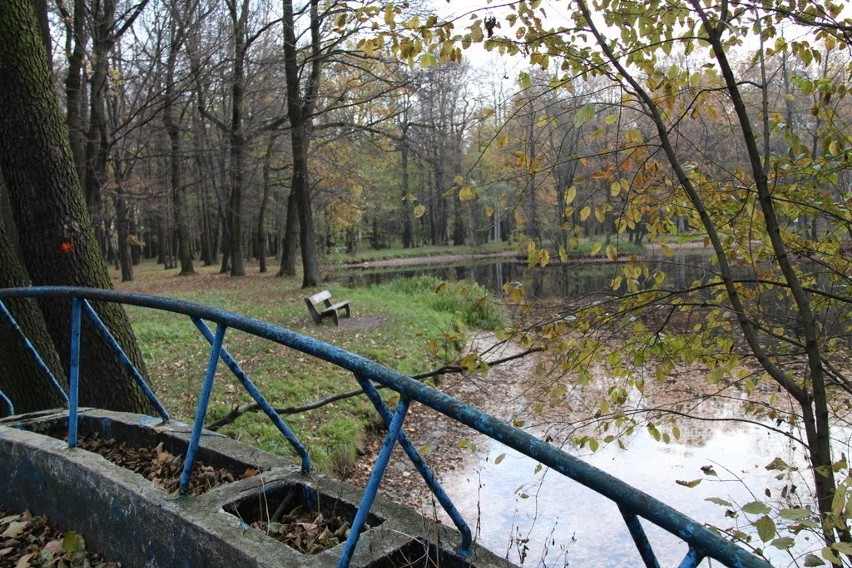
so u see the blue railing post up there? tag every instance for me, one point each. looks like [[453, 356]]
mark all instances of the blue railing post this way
[[74, 374], [640, 538], [201, 411], [375, 480], [125, 360], [692, 559], [258, 398], [425, 471]]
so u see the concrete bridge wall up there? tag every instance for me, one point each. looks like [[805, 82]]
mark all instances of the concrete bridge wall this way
[[129, 520]]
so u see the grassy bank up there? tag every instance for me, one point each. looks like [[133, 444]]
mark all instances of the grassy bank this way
[[405, 325], [586, 248]]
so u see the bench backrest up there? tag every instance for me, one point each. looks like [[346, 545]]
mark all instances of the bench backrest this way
[[320, 297]]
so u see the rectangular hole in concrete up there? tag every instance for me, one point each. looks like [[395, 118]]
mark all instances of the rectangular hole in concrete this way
[[225, 468], [420, 553], [299, 516]]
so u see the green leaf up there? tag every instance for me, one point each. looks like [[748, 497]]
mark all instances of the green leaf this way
[[718, 501], [524, 80], [842, 548], [716, 375], [499, 458], [813, 560], [584, 115], [690, 484], [428, 60], [765, 528], [778, 464], [71, 542], [756, 508], [794, 514], [783, 543]]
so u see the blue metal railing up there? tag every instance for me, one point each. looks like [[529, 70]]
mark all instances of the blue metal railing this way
[[632, 503]]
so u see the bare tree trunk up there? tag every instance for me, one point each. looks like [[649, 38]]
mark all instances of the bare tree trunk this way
[[290, 246], [299, 109], [261, 220]]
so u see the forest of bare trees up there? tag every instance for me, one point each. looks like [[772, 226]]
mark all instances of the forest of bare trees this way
[[219, 131]]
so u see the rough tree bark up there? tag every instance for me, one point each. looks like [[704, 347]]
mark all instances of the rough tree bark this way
[[57, 240], [300, 107], [35, 393]]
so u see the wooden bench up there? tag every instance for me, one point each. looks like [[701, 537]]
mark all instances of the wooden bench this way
[[320, 306]]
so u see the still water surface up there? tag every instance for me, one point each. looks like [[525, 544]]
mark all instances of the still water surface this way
[[542, 519]]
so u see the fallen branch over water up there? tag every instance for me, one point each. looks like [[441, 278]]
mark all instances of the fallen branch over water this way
[[241, 409]]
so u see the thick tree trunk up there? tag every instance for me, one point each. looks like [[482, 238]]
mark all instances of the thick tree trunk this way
[[299, 110], [175, 164], [74, 87], [407, 221], [290, 246], [236, 137], [57, 239], [34, 392]]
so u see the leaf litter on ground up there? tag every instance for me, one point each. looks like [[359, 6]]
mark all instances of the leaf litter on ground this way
[[28, 540], [305, 530]]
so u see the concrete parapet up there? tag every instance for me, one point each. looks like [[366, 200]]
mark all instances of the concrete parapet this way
[[129, 520]]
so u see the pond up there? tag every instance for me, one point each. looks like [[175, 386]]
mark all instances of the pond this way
[[555, 281], [538, 518]]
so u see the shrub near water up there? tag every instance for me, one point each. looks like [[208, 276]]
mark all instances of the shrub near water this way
[[468, 301]]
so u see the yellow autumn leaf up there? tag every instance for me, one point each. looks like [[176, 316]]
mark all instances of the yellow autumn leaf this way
[[585, 212], [419, 211], [501, 140], [570, 195], [634, 137], [611, 252], [489, 211], [466, 193]]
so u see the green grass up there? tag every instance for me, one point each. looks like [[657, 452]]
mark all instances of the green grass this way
[[409, 326]]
